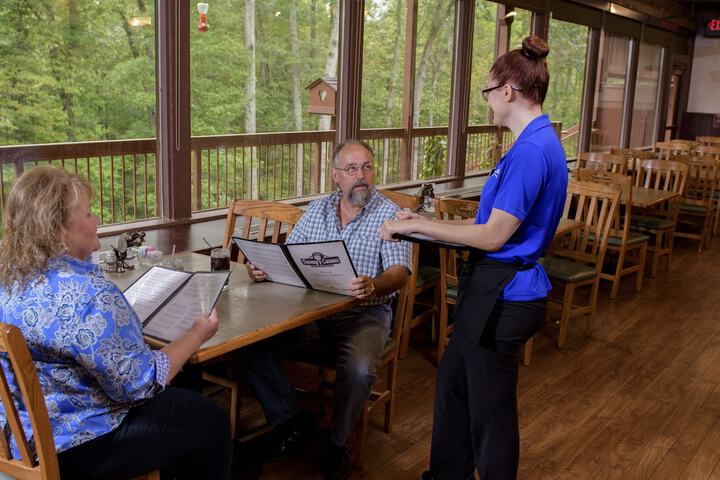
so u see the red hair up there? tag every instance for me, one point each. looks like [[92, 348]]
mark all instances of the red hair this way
[[525, 69]]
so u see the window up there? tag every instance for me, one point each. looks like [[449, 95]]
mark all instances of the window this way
[[646, 92], [609, 99], [81, 72], [566, 62], [249, 73]]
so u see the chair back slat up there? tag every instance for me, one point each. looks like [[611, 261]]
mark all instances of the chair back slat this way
[[258, 214], [711, 152], [594, 205], [665, 175], [602, 161], [15, 351], [708, 140], [621, 219], [701, 183], [452, 209], [402, 200]]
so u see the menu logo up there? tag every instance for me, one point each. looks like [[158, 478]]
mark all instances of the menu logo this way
[[317, 259]]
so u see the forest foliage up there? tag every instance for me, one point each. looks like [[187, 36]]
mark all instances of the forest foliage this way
[[79, 70]]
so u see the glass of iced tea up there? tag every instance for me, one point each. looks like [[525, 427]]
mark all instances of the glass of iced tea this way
[[220, 260]]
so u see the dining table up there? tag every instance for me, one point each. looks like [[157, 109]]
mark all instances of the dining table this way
[[248, 311]]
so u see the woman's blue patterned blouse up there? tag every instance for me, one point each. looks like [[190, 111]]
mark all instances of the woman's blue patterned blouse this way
[[88, 349]]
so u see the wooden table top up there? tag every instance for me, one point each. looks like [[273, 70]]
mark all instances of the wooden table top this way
[[647, 197], [250, 311]]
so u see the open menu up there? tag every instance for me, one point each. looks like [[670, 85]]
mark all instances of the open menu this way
[[169, 301], [322, 266]]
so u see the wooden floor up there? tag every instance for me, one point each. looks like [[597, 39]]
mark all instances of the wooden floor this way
[[640, 399]]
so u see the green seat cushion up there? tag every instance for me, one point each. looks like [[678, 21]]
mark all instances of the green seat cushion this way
[[649, 222], [633, 238], [693, 208], [427, 276], [567, 270]]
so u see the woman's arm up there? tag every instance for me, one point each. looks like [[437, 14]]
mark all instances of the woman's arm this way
[[490, 236], [181, 350]]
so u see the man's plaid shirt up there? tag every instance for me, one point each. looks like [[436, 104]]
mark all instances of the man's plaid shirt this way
[[370, 254]]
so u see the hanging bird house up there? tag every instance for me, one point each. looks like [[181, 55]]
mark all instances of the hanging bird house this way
[[322, 96]]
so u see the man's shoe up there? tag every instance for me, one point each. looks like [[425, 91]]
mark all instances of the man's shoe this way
[[288, 437], [337, 462]]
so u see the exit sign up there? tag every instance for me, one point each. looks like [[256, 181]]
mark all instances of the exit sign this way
[[712, 27]]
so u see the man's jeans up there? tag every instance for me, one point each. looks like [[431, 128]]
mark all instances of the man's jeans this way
[[355, 338]]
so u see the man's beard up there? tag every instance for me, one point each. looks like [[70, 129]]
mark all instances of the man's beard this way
[[360, 198]]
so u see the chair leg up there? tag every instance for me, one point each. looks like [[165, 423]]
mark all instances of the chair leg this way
[[656, 252], [390, 405], [360, 431], [618, 273], [527, 351], [593, 306], [568, 295], [405, 337], [442, 330], [641, 271]]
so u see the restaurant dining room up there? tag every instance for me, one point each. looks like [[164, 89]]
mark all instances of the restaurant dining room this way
[[365, 239]]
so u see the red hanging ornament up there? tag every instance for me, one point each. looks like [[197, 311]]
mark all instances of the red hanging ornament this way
[[202, 20]]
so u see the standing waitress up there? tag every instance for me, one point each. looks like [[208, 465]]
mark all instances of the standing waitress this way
[[502, 293]]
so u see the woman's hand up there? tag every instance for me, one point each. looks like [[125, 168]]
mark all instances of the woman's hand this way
[[206, 326], [255, 273], [408, 215], [391, 227]]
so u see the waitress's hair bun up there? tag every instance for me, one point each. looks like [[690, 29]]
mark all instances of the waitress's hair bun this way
[[535, 48]]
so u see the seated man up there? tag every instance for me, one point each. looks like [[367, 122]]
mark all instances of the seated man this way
[[354, 214]]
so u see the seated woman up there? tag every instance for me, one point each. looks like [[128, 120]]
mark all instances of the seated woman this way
[[111, 413]]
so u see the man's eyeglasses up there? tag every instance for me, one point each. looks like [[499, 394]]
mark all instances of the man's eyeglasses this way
[[352, 170], [486, 91]]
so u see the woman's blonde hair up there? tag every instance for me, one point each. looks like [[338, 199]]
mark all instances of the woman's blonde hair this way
[[36, 213]]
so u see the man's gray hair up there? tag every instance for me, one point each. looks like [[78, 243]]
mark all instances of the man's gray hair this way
[[350, 141]]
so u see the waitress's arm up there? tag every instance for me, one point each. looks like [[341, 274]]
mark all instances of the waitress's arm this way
[[490, 236]]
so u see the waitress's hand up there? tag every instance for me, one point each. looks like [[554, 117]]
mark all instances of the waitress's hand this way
[[391, 227], [408, 215]]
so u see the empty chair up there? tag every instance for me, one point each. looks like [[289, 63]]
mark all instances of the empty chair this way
[[602, 161], [660, 221], [633, 157], [708, 140], [622, 242], [697, 207], [579, 263], [664, 150]]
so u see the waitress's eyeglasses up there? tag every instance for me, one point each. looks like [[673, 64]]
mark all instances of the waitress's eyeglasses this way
[[486, 91]]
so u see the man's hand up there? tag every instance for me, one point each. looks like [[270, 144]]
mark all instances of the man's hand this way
[[362, 287], [255, 273]]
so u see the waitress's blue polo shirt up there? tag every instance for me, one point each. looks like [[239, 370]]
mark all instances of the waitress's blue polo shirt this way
[[529, 183]]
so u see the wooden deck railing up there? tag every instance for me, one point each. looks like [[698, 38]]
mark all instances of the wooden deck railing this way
[[271, 166]]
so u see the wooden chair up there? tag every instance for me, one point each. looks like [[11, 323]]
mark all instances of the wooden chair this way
[[712, 152], [45, 467], [665, 150], [633, 158], [423, 277], [580, 262], [449, 209], [708, 140], [622, 242], [660, 222], [381, 395], [698, 203], [602, 161], [257, 216]]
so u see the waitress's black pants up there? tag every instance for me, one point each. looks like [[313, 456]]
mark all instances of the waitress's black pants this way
[[475, 425]]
